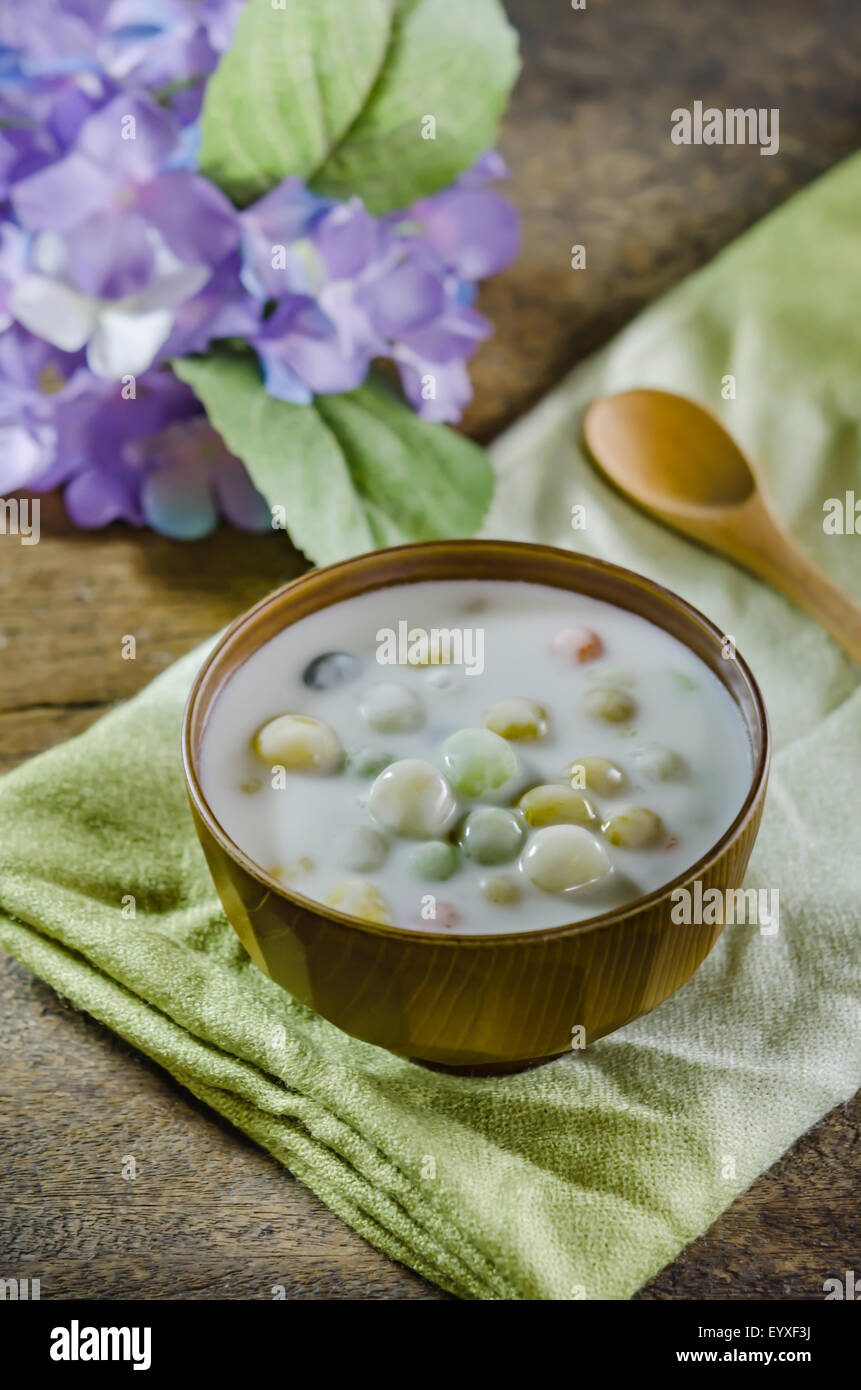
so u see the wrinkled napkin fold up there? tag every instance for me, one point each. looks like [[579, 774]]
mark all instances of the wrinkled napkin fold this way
[[584, 1177]]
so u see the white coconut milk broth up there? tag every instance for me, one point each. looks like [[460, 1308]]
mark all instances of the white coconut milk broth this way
[[679, 705]]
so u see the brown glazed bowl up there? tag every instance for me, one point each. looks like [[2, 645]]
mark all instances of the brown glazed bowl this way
[[477, 1004]]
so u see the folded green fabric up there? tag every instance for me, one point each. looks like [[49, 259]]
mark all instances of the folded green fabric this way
[[583, 1177]]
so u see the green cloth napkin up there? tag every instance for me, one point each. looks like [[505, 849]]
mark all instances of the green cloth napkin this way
[[583, 1177]]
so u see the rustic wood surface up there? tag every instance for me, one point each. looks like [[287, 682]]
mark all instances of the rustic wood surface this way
[[587, 139]]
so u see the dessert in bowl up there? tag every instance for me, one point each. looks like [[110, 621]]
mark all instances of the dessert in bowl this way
[[447, 790]]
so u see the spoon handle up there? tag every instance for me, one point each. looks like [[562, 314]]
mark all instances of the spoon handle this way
[[803, 582], [757, 540]]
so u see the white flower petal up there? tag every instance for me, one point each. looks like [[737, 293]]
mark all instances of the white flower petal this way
[[22, 457], [125, 344], [49, 256], [169, 291], [52, 311], [165, 261]]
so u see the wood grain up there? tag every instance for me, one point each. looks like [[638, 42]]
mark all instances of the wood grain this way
[[587, 139]]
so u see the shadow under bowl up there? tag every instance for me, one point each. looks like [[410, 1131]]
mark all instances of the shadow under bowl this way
[[474, 1004]]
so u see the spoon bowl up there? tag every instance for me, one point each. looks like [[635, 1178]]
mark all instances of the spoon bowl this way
[[679, 455]]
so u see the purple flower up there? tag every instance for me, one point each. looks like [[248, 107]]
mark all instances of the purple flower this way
[[417, 306], [488, 167], [13, 263], [142, 453], [191, 479], [116, 255], [303, 348], [349, 287], [349, 240], [271, 227], [302, 355], [179, 481], [222, 309], [473, 229], [44, 130], [147, 458], [39, 388], [44, 44], [432, 364], [109, 419], [121, 239], [169, 46]]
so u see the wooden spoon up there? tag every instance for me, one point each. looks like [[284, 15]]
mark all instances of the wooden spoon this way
[[677, 461]]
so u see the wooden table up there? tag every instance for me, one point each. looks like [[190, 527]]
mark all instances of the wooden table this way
[[587, 139]]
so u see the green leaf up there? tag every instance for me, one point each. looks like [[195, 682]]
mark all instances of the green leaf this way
[[338, 91], [352, 472], [455, 63], [288, 90]]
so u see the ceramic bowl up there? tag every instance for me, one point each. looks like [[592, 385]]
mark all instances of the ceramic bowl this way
[[479, 1004]]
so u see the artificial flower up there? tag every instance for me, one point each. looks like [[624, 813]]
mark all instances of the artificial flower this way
[[349, 287], [38, 389], [120, 239], [302, 355], [166, 46], [117, 255]]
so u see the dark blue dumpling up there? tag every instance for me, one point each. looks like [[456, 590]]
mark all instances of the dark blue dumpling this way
[[331, 669]]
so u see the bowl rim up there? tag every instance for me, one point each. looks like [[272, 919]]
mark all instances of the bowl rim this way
[[614, 917]]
